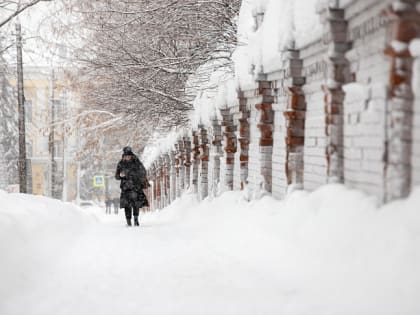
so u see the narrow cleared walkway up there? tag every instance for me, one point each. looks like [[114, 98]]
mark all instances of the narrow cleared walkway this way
[[159, 268]]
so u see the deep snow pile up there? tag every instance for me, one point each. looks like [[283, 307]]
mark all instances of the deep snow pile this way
[[31, 229], [268, 27], [327, 252]]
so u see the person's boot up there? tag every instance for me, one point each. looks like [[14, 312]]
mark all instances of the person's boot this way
[[128, 221], [136, 221]]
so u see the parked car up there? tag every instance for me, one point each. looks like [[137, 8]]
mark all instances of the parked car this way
[[87, 203]]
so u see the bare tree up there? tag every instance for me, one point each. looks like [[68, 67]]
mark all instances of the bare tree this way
[[138, 55], [11, 9], [132, 61]]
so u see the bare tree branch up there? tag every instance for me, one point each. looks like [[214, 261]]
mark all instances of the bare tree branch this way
[[19, 10]]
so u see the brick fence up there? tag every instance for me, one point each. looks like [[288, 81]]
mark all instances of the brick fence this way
[[339, 110]]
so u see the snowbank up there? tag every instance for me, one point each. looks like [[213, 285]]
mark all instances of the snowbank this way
[[31, 228], [327, 252], [331, 251]]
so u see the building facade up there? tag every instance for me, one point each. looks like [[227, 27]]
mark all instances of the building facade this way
[[51, 135]]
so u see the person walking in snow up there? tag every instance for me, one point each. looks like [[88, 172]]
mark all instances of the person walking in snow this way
[[132, 174], [108, 204], [116, 203]]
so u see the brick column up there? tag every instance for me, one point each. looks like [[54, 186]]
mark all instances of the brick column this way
[[204, 157], [404, 25], [196, 159], [158, 193], [172, 175], [148, 190], [162, 180], [181, 154], [187, 161], [167, 174], [338, 74], [294, 119], [152, 199], [217, 152], [177, 170], [244, 136], [265, 125], [230, 145], [162, 176]]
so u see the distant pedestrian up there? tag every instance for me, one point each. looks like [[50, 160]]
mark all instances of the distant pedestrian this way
[[116, 203], [132, 174], [108, 204]]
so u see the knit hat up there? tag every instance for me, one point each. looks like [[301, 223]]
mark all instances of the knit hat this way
[[127, 151]]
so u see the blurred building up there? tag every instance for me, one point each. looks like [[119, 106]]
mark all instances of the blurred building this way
[[51, 133]]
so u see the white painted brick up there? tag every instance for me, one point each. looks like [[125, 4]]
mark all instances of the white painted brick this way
[[310, 141], [315, 169], [378, 91], [316, 121], [352, 153], [354, 165], [350, 131], [315, 132], [367, 142], [372, 166], [315, 151], [313, 181], [372, 153]]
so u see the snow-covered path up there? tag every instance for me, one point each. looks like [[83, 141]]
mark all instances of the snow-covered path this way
[[159, 268], [221, 256]]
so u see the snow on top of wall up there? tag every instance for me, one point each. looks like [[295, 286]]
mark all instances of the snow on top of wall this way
[[160, 144], [399, 6], [308, 25], [415, 47], [210, 85], [355, 92], [268, 27], [265, 29], [333, 3], [399, 46], [227, 94], [204, 107]]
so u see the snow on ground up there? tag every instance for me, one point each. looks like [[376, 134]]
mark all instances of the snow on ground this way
[[327, 252]]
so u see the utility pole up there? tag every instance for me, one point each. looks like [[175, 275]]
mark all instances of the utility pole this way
[[65, 152], [78, 164], [78, 184], [51, 138], [21, 110]]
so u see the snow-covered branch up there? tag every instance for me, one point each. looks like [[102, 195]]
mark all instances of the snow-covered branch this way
[[18, 10]]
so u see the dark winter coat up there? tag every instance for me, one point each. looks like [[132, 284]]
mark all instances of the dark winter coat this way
[[133, 183]]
